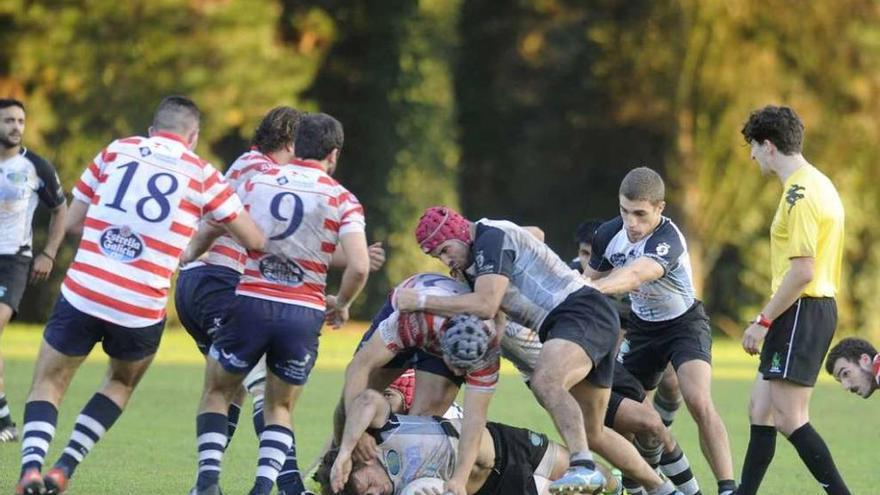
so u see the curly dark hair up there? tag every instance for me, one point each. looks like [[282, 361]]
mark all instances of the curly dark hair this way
[[779, 125], [851, 349], [278, 128], [322, 475]]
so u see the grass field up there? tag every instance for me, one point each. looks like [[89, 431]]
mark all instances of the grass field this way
[[151, 449]]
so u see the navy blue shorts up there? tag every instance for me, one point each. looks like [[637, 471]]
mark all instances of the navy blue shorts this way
[[410, 358], [74, 333], [286, 333], [202, 297]]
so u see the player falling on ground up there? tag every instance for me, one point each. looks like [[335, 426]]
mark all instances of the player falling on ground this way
[[513, 271], [280, 301], [855, 364], [26, 180], [510, 461], [137, 206]]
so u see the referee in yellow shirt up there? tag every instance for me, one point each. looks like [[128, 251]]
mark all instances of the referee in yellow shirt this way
[[797, 324]]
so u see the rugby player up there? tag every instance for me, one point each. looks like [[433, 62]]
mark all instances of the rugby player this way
[[855, 364]]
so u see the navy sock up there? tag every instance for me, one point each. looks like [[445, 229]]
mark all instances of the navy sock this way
[[232, 416], [275, 442], [290, 479], [96, 418], [259, 422], [211, 438], [40, 418]]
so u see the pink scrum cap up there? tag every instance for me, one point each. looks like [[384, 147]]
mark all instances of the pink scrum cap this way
[[439, 224]]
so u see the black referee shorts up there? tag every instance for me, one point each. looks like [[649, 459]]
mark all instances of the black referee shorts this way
[[798, 340]]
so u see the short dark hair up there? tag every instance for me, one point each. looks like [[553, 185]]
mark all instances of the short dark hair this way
[[851, 349], [322, 474], [278, 127], [586, 231], [176, 113], [11, 102], [643, 184], [779, 125], [317, 136]]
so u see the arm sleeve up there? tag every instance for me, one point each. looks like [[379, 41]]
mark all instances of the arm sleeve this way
[[665, 246], [490, 254], [217, 198], [604, 234], [803, 227], [351, 214], [92, 176], [50, 191]]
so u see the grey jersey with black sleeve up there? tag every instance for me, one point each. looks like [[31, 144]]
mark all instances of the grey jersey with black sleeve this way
[[539, 279], [413, 447], [663, 299]]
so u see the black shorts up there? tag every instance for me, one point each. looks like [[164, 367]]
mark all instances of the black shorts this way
[[625, 386], [518, 453], [587, 318], [798, 340], [14, 271], [650, 345], [74, 333]]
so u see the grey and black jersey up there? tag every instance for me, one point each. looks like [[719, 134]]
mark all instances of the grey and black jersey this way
[[539, 279], [660, 300], [25, 180], [413, 447]]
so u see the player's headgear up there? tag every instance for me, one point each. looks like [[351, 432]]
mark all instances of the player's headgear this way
[[439, 224], [465, 341], [406, 385]]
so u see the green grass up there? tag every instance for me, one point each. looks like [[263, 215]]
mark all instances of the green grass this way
[[152, 447]]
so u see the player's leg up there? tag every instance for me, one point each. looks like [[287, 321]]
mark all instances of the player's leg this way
[[436, 386], [8, 432], [593, 399], [667, 397], [290, 356], [762, 438], [791, 402]]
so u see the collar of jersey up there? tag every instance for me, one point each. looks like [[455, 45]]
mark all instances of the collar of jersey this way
[[305, 163], [171, 136]]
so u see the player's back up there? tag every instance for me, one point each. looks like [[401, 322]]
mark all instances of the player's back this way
[[145, 196], [303, 213]]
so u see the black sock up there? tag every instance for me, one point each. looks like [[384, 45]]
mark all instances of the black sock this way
[[762, 446], [817, 457], [726, 487]]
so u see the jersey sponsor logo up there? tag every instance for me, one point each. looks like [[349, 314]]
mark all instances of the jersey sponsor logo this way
[[275, 269], [623, 351], [121, 244], [793, 195], [17, 178], [618, 259], [282, 181], [392, 462], [295, 369], [662, 249], [535, 439], [482, 266]]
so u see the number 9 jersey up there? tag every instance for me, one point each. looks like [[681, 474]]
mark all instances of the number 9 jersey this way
[[145, 197], [303, 212]]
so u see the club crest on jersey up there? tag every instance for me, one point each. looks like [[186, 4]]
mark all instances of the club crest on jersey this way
[[282, 181], [275, 269], [618, 259], [392, 461], [121, 244], [662, 249], [145, 151]]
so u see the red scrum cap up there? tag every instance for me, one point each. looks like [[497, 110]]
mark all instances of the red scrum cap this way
[[439, 224], [406, 385]]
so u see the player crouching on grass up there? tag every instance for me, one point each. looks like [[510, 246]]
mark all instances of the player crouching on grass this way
[[855, 364], [509, 460]]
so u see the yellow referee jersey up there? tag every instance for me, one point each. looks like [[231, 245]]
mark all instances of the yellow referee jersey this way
[[808, 222]]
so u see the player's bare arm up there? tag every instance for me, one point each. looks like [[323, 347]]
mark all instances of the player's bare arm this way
[[45, 259], [483, 302], [375, 250], [245, 231], [629, 277], [793, 284], [76, 217], [369, 409], [354, 277], [476, 408]]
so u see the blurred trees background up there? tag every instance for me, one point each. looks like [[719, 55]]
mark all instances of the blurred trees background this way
[[532, 112]]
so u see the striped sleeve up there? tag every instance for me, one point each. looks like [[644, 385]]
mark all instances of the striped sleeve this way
[[218, 200], [92, 176], [486, 376], [351, 214]]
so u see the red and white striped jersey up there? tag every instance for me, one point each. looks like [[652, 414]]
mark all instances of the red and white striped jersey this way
[[423, 330], [225, 251], [875, 366], [303, 212], [145, 196]]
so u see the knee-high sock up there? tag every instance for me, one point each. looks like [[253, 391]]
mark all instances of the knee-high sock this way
[[211, 438], [40, 418], [815, 454], [762, 447], [96, 418], [675, 466], [275, 443]]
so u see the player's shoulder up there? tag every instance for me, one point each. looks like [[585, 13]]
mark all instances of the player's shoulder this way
[[36, 160], [667, 232], [606, 232]]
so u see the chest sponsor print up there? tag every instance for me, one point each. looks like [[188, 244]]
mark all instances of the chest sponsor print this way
[[121, 244]]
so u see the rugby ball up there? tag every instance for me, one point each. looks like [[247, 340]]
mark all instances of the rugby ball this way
[[415, 487]]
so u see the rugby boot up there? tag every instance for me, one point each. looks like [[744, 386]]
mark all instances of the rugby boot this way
[[55, 481], [578, 480], [31, 483]]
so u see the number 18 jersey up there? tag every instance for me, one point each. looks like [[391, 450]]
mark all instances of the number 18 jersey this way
[[145, 196], [303, 212]]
